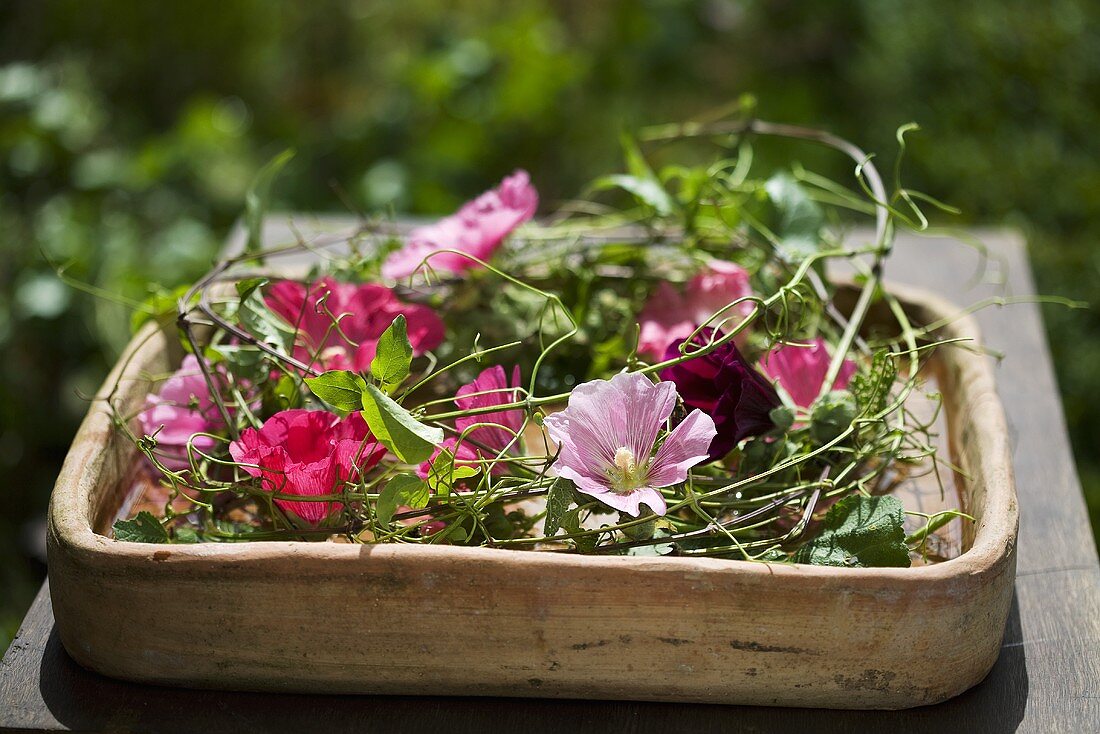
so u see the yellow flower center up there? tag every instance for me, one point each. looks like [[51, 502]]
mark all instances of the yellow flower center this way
[[625, 475]]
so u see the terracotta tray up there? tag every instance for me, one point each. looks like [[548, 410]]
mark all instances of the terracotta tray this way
[[426, 620]]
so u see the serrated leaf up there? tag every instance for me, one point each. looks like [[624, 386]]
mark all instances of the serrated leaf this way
[[342, 389], [393, 356], [860, 532], [558, 499], [257, 197], [403, 489], [409, 439], [144, 528]]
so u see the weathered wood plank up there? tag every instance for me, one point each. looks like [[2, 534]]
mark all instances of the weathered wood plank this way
[[1047, 677]]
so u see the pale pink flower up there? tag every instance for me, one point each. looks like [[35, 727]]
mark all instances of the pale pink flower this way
[[478, 228], [307, 453], [181, 410], [338, 324], [607, 435], [801, 370], [670, 315]]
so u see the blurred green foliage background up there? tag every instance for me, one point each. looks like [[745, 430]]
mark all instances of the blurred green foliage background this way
[[129, 131]]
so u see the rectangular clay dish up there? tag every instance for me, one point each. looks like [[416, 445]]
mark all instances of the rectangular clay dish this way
[[439, 620]]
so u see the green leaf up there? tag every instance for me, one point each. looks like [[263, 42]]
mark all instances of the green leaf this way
[[285, 394], [798, 220], [243, 360], [397, 429], [558, 499], [160, 306], [256, 200], [341, 389], [444, 474], [832, 414], [262, 323], [187, 535], [403, 489], [862, 532], [142, 529], [393, 357], [655, 549], [647, 191], [571, 521], [246, 286]]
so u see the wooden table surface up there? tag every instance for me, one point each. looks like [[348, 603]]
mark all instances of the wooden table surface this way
[[1047, 677]]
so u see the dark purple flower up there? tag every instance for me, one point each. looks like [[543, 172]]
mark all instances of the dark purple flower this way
[[726, 387]]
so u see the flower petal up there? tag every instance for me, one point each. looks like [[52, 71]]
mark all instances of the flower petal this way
[[687, 445]]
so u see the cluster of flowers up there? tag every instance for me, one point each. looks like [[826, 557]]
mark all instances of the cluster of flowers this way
[[617, 439]]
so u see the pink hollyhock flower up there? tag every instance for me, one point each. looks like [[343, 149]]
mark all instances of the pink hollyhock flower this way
[[477, 228], [307, 453], [181, 409], [607, 434], [485, 441], [363, 311], [801, 370], [670, 315]]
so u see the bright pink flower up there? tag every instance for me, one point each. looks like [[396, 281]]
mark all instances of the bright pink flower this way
[[180, 410], [491, 388], [801, 370], [339, 324], [485, 441], [307, 453], [477, 228], [670, 315], [607, 434]]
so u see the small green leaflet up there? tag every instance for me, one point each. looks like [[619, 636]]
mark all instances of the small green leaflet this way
[[861, 532], [558, 499], [397, 429], [403, 489], [341, 389], [444, 473], [393, 357], [142, 529], [256, 200]]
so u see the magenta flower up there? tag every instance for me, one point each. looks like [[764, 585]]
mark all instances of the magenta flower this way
[[801, 371], [607, 436], [307, 453], [485, 441], [477, 228], [338, 324], [725, 386], [181, 409], [670, 315]]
